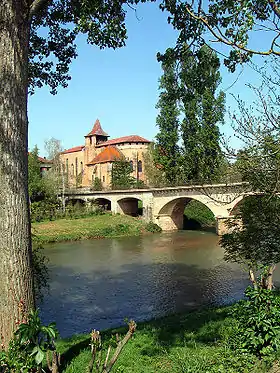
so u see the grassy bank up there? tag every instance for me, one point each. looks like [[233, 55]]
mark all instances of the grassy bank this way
[[197, 342], [98, 226]]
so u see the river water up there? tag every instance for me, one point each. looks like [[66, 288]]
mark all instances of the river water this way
[[99, 283]]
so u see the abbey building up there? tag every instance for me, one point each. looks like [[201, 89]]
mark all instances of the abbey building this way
[[94, 159]]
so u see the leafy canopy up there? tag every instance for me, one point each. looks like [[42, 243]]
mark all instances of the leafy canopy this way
[[236, 24], [121, 175], [191, 110], [55, 26]]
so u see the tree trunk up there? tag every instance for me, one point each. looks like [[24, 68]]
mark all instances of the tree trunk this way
[[16, 283], [253, 279], [269, 278]]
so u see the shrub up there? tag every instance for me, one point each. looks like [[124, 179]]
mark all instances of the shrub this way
[[40, 272], [97, 184], [152, 227], [28, 348], [258, 322]]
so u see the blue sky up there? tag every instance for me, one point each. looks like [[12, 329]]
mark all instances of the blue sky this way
[[119, 87]]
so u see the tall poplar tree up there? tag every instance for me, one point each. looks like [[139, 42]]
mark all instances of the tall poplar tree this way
[[167, 149], [187, 145], [203, 110]]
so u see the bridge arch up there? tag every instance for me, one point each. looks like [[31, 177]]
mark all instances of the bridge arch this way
[[171, 214], [75, 201], [236, 206], [104, 203], [130, 206]]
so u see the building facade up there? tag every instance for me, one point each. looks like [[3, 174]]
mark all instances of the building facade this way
[[94, 159]]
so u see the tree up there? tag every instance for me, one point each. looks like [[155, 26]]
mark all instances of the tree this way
[[36, 47], [167, 150], [56, 178], [203, 109], [191, 95], [153, 171], [97, 184], [36, 187], [121, 175], [256, 243], [232, 23]]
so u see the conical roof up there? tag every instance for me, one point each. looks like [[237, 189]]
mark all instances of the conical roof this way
[[97, 130]]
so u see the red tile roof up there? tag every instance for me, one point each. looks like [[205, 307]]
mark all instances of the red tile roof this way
[[109, 154], [75, 149], [44, 160], [97, 130], [41, 159], [124, 139]]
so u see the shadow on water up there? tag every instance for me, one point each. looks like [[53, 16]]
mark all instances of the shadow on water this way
[[101, 300], [98, 284], [194, 225]]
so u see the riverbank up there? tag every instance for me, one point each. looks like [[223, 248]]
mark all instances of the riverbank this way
[[194, 342], [98, 226]]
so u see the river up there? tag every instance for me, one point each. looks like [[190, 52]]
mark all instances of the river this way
[[99, 283]]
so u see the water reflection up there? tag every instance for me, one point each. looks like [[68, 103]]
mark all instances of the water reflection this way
[[98, 283]]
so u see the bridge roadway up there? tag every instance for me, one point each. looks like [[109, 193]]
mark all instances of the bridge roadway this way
[[165, 206]]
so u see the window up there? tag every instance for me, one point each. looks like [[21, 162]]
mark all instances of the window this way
[[82, 169], [103, 178], [131, 165], [67, 166], [139, 166], [90, 140], [76, 166]]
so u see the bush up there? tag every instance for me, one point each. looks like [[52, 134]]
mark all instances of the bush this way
[[152, 227], [97, 184], [28, 348], [52, 210], [40, 272], [258, 322]]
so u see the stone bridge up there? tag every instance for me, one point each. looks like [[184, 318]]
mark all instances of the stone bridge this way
[[165, 206]]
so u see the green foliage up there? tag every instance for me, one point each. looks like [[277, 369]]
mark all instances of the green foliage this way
[[259, 165], [196, 342], [97, 184], [256, 244], [258, 322], [166, 151], [40, 272], [154, 175], [197, 211], [54, 29], [28, 348], [51, 209], [152, 227], [191, 95], [203, 109], [36, 187], [232, 23], [121, 175]]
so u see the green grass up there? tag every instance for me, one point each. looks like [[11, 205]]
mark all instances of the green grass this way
[[98, 226], [196, 342]]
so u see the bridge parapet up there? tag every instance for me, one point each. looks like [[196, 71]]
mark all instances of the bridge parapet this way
[[165, 206]]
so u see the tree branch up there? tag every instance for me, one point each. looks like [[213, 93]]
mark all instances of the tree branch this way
[[35, 6], [274, 7], [226, 41]]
